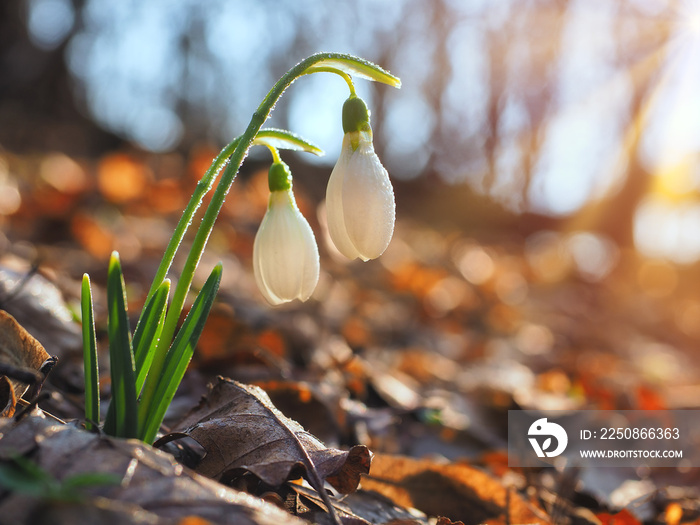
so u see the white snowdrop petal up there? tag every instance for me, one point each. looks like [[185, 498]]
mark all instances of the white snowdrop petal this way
[[368, 203], [285, 255], [260, 251], [334, 203], [311, 268], [360, 201]]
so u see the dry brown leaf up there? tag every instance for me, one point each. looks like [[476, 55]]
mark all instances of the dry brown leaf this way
[[358, 508], [241, 429], [447, 521], [19, 349], [38, 305], [8, 400], [315, 408], [454, 490], [375, 508], [153, 489]]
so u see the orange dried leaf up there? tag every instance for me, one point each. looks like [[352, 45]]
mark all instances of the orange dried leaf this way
[[200, 160], [649, 399], [19, 349], [416, 279], [673, 514], [121, 178], [194, 520], [166, 196], [213, 343], [496, 461], [273, 342], [624, 517], [355, 332], [49, 202], [92, 236], [458, 491]]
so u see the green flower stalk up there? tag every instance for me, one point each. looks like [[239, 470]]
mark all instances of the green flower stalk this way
[[147, 364]]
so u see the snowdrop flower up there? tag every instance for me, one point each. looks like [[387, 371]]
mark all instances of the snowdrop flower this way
[[285, 255], [359, 198]]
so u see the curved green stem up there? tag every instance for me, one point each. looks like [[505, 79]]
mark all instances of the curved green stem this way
[[275, 154], [346, 77], [322, 62], [203, 186]]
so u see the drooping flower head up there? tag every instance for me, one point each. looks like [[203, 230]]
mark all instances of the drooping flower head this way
[[359, 198], [285, 255]]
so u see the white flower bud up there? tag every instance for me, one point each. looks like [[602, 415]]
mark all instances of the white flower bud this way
[[285, 255], [360, 200]]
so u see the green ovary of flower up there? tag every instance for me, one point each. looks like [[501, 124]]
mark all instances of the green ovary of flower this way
[[285, 255], [360, 200], [279, 177], [355, 115]]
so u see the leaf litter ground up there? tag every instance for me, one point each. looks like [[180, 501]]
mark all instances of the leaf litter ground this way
[[416, 357]]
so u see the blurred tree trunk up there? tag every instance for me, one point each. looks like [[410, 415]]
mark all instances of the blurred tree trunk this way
[[38, 110], [615, 215]]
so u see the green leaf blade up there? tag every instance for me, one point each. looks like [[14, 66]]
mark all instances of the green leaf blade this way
[[180, 354], [354, 66], [121, 355], [90, 365], [283, 139], [22, 475], [148, 331], [90, 479]]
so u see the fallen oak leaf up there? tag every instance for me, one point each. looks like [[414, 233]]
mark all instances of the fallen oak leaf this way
[[240, 429]]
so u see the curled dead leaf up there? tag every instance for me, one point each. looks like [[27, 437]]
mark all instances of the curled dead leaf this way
[[8, 400], [241, 430], [21, 353], [38, 305]]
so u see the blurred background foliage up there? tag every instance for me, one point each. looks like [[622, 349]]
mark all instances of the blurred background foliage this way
[[514, 115]]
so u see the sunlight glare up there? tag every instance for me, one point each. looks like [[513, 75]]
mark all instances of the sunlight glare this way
[[694, 24], [690, 17], [665, 225]]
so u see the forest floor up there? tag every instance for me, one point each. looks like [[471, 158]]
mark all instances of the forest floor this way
[[411, 361]]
